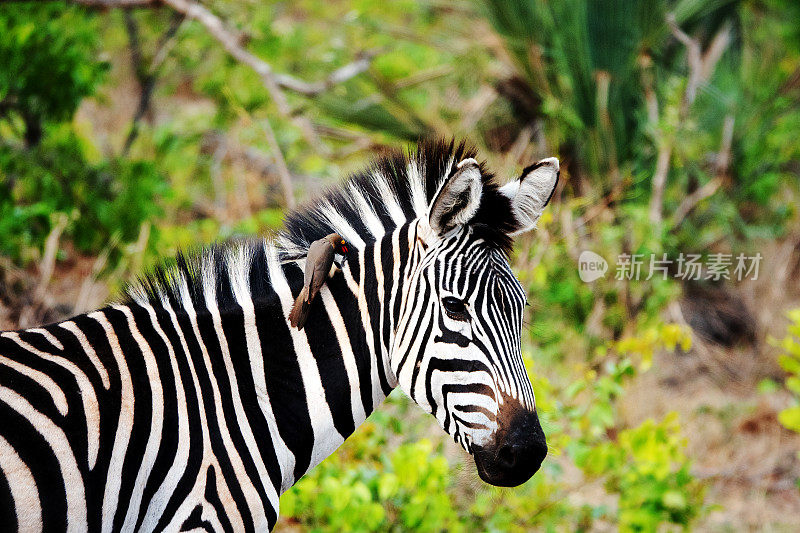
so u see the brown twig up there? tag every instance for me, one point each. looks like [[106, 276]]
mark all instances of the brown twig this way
[[283, 170], [660, 178], [690, 202], [701, 67], [721, 169], [48, 263], [724, 155]]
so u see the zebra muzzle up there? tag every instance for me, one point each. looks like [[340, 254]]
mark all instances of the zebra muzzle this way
[[516, 452]]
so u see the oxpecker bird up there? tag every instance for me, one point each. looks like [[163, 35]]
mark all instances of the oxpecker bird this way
[[318, 265]]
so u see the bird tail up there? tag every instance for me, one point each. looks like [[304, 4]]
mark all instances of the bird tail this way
[[300, 309]]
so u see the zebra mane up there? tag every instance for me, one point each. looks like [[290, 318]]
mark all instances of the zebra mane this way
[[395, 189]]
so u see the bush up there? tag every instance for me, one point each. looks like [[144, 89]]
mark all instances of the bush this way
[[50, 58], [647, 467], [790, 362], [107, 202]]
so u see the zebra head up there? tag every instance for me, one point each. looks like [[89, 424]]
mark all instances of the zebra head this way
[[456, 349]]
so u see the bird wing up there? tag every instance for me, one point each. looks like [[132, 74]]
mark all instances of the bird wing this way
[[318, 264]]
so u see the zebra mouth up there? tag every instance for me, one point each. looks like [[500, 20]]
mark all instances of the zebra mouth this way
[[516, 455]]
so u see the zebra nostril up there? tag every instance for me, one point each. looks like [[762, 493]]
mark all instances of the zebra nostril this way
[[507, 456]]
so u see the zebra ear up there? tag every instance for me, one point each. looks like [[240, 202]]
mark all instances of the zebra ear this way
[[531, 192], [457, 199]]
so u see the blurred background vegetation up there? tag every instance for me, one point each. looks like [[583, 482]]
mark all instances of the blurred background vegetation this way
[[132, 128]]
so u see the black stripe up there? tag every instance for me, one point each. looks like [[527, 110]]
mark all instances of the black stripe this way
[[283, 379], [8, 514], [387, 265], [212, 422], [28, 387], [142, 413], [34, 451], [348, 307], [403, 239], [418, 360], [212, 497], [195, 456], [327, 354], [168, 442], [374, 310]]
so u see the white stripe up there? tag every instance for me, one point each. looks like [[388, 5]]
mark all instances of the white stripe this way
[[59, 399], [156, 422], [367, 215], [161, 497], [389, 199], [348, 357], [24, 492], [124, 425], [88, 396], [73, 328], [61, 448], [340, 224], [418, 195], [49, 336]]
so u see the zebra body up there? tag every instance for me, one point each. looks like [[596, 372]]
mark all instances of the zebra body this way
[[192, 404]]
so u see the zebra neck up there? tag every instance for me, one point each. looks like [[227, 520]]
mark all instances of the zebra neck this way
[[378, 278]]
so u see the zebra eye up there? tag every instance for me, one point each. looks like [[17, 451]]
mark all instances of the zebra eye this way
[[455, 308]]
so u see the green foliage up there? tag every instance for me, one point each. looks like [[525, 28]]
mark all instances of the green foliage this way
[[407, 489], [584, 61], [51, 62], [645, 466], [790, 362], [50, 58], [107, 202], [609, 84], [649, 470]]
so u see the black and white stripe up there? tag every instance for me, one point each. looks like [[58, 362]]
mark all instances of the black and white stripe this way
[[192, 403]]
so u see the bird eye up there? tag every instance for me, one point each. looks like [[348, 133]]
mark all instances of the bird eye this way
[[455, 308]]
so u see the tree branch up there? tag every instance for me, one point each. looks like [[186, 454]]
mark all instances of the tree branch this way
[[721, 169], [701, 67], [280, 162], [111, 4], [146, 76], [275, 83], [690, 201], [338, 76]]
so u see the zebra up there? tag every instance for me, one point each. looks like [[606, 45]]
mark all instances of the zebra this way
[[189, 403]]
